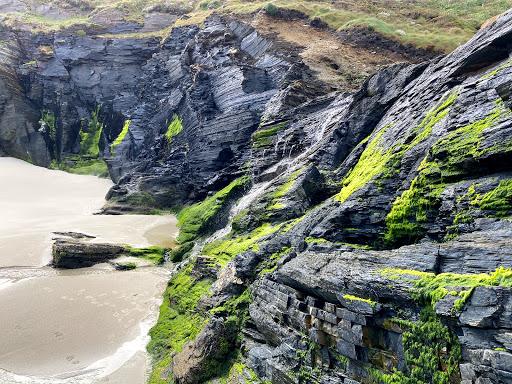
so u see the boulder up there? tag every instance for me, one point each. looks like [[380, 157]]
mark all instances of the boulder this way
[[70, 254]]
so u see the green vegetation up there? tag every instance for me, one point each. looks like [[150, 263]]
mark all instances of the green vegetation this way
[[304, 358], [316, 240], [48, 125], [372, 303], [319, 240], [270, 265], [237, 373], [410, 211], [119, 139], [174, 128], [494, 72], [210, 4], [498, 201], [464, 143], [271, 9], [178, 254], [41, 23], [224, 250], [194, 220], [235, 312], [126, 266], [90, 137], [282, 190], [292, 223], [140, 200], [372, 162], [88, 161], [430, 288], [432, 353], [179, 321], [431, 24], [154, 254], [264, 137], [376, 160], [434, 116], [82, 166]]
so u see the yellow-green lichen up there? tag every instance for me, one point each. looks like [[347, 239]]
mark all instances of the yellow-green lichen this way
[[282, 190], [119, 139], [90, 135], [429, 287], [411, 209], [432, 353], [270, 265], [376, 160], [464, 143], [174, 128], [178, 321], [498, 201], [264, 137], [496, 71], [372, 162], [194, 220], [405, 223], [224, 250], [348, 297]]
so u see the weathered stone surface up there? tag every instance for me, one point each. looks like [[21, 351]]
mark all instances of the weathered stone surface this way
[[331, 309], [193, 363], [78, 254]]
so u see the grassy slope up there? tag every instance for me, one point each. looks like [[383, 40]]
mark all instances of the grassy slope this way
[[424, 23]]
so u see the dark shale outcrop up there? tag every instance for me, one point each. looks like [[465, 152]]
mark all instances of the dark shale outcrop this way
[[374, 243], [72, 253]]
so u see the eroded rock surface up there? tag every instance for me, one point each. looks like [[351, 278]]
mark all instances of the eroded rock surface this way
[[72, 253], [373, 242]]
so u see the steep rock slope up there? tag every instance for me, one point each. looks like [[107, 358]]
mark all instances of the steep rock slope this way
[[312, 279], [334, 237]]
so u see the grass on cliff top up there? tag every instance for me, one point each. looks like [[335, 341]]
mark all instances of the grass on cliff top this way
[[193, 221], [433, 24], [423, 23]]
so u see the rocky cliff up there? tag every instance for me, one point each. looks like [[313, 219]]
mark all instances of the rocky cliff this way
[[326, 237]]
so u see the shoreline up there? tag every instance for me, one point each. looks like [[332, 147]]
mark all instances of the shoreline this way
[[78, 326]]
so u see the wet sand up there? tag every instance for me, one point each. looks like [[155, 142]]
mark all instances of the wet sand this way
[[80, 326]]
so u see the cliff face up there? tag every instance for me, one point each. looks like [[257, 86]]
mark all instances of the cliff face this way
[[341, 183], [327, 237]]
